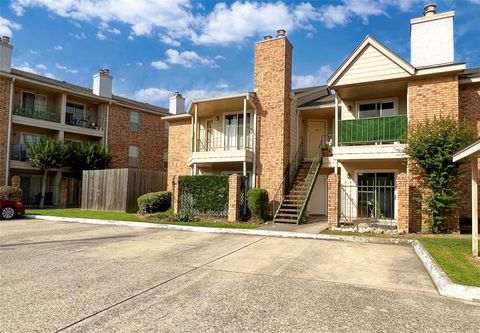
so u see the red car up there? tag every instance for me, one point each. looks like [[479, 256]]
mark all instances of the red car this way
[[10, 208]]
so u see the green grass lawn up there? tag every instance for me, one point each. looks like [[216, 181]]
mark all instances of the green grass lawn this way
[[454, 256], [160, 218]]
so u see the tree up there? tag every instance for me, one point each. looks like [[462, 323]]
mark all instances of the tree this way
[[46, 155], [431, 146], [88, 156]]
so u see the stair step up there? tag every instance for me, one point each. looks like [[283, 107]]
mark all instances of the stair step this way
[[284, 221], [287, 215], [287, 210]]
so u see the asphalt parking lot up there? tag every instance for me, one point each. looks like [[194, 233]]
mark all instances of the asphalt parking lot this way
[[59, 276]]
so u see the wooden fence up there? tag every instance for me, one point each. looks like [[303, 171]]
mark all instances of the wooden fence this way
[[118, 189]]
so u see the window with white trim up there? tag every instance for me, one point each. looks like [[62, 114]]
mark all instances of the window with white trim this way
[[133, 156], [377, 108], [165, 159], [134, 121]]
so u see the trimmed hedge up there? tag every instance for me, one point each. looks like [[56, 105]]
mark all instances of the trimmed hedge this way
[[204, 195], [154, 202], [10, 192], [258, 203]]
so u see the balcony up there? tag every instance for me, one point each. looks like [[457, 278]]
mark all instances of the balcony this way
[[370, 131], [229, 145], [40, 112]]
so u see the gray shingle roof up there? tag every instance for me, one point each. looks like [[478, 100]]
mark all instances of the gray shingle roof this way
[[75, 88], [307, 96], [470, 73]]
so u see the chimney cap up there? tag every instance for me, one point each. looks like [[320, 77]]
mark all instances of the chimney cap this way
[[430, 9], [267, 37], [281, 32], [5, 39], [104, 71], [177, 94]]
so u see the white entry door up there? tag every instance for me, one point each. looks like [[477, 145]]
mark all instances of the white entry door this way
[[315, 131], [318, 200]]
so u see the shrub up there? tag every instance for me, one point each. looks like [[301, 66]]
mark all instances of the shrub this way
[[258, 203], [204, 195], [154, 202], [432, 145], [185, 217], [10, 192]]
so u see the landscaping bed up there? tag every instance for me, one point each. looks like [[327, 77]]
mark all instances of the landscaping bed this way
[[161, 218]]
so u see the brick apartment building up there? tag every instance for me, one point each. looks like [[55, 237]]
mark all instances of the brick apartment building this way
[[33, 107], [335, 150]]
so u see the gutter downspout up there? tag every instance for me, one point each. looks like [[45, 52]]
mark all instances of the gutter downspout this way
[[9, 132], [105, 135]]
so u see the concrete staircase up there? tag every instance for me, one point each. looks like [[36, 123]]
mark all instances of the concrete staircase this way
[[290, 208]]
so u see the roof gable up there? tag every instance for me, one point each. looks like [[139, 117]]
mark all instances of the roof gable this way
[[370, 61]]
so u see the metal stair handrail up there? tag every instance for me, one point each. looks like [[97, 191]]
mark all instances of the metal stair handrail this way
[[287, 180], [310, 183]]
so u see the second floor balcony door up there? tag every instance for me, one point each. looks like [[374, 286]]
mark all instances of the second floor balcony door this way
[[234, 131]]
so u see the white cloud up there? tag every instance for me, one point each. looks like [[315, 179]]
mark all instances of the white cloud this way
[[318, 78], [169, 40], [58, 47], [159, 64], [226, 23], [50, 75], [6, 27], [33, 52], [187, 59], [66, 69], [101, 36], [41, 66], [26, 67], [80, 35], [152, 95], [139, 63]]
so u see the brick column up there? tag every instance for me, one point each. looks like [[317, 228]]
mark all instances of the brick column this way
[[333, 204], [63, 195], [234, 198], [175, 195], [403, 202]]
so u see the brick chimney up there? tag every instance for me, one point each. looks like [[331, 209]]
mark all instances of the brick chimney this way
[[273, 85], [431, 38], [102, 83], [5, 54], [177, 103]]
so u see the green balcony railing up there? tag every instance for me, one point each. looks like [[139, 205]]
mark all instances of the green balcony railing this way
[[42, 113], [373, 130]]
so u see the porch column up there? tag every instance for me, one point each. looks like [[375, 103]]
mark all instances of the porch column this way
[[474, 165], [233, 198], [244, 126], [244, 168], [333, 202], [336, 119], [195, 169], [176, 194], [254, 173], [195, 124], [403, 202]]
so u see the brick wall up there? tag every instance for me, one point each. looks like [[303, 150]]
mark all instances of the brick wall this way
[[469, 105], [403, 195], [180, 147], [429, 98], [4, 108], [234, 198], [149, 138], [333, 202], [272, 81]]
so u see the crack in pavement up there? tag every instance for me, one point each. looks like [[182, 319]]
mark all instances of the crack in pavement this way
[[157, 285]]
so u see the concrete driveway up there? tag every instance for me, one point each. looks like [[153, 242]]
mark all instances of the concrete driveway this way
[[79, 277]]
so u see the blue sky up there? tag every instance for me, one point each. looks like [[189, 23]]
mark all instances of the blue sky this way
[[153, 48]]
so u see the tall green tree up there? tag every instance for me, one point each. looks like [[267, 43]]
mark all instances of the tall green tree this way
[[46, 155], [432, 145], [88, 156]]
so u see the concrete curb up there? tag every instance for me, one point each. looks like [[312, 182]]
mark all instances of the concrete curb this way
[[443, 283]]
